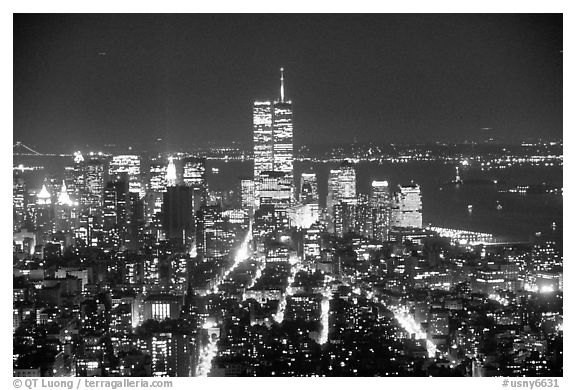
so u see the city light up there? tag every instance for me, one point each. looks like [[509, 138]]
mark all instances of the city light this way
[[407, 321], [286, 245]]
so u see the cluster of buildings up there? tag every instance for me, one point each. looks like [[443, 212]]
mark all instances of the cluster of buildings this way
[[133, 266]]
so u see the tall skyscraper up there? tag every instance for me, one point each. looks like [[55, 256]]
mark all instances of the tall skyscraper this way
[[131, 165], [64, 210], [93, 184], [211, 237], [407, 207], [171, 177], [273, 137], [347, 183], [156, 188], [178, 213], [158, 175], [275, 188], [44, 215], [194, 172], [19, 200], [247, 195], [380, 201], [194, 176], [116, 211], [341, 189], [263, 142], [283, 134]]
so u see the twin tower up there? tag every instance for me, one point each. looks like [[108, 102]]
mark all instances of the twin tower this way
[[273, 142]]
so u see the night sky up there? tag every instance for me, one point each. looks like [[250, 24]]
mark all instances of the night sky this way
[[191, 79]]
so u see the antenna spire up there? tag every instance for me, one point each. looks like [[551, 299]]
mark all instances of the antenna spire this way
[[282, 85]]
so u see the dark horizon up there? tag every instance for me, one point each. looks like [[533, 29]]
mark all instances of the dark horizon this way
[[191, 79]]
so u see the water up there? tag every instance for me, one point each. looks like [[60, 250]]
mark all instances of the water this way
[[443, 205], [447, 205]]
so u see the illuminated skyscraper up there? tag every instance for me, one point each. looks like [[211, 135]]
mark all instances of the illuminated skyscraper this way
[[341, 189], [171, 173], [64, 210], [44, 215], [194, 172], [211, 237], [273, 137], [93, 184], [263, 142], [380, 201], [347, 183], [131, 165], [283, 134], [312, 243], [158, 175], [247, 193], [157, 187], [194, 176], [19, 199], [333, 189], [275, 188], [407, 207]]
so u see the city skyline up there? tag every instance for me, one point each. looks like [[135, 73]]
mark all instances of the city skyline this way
[[452, 77], [362, 259]]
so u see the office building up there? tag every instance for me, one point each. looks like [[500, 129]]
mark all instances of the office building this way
[[407, 207], [247, 195], [178, 214], [273, 138], [129, 164], [380, 201], [308, 188], [283, 155]]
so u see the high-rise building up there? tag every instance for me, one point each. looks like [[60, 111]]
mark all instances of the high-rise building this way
[[283, 134], [304, 215], [407, 207], [211, 237], [308, 188], [89, 231], [247, 195], [275, 188], [88, 183], [273, 138], [158, 175], [341, 189], [194, 176], [157, 187], [344, 218], [263, 141], [347, 183], [131, 165], [44, 215], [178, 214], [380, 201], [194, 172], [94, 182], [171, 178], [19, 200], [312, 243], [363, 216], [64, 210], [116, 211]]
